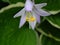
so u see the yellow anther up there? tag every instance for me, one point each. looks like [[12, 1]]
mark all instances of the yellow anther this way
[[32, 19], [27, 19]]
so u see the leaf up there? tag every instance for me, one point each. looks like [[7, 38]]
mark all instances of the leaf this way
[[13, 1], [10, 34], [6, 1], [54, 12], [22, 4], [54, 20], [48, 41], [53, 7], [51, 4], [48, 30], [12, 6], [3, 4]]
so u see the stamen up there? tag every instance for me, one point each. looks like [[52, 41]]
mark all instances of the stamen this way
[[27, 19], [31, 19]]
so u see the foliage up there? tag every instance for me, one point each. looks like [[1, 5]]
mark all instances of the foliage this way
[[46, 33]]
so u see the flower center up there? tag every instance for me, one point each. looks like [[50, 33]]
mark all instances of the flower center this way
[[31, 19]]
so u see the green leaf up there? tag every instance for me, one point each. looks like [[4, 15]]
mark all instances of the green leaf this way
[[11, 6], [20, 4], [3, 4], [54, 12], [47, 29], [10, 34], [6, 1], [48, 41], [13, 1], [51, 4], [54, 20]]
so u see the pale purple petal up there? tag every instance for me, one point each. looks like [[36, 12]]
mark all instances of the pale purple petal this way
[[28, 5], [22, 21], [40, 5], [37, 16], [33, 24], [41, 12], [19, 13]]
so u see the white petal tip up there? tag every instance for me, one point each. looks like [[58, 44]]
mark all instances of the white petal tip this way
[[20, 26], [14, 17], [45, 3], [32, 28], [48, 14]]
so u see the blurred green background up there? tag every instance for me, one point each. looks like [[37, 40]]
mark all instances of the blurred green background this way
[[46, 33]]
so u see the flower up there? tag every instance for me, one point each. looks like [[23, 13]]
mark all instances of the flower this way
[[31, 13]]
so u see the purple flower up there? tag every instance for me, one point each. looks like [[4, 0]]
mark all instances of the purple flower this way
[[31, 13]]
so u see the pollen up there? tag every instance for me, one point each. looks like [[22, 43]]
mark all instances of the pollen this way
[[31, 19], [27, 19]]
